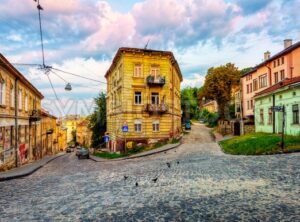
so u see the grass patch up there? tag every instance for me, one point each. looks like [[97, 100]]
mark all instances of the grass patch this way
[[260, 144], [108, 155]]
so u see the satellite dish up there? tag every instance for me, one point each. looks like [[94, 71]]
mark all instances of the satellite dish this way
[[68, 87]]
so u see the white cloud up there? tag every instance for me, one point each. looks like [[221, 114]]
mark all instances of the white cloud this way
[[195, 80]]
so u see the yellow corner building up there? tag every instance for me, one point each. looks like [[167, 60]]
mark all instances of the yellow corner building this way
[[143, 92]]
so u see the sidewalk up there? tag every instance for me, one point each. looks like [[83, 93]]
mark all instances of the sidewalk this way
[[218, 137], [28, 168], [146, 153]]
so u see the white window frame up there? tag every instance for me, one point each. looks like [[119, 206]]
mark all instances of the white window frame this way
[[137, 98], [137, 72], [20, 99], [2, 92], [26, 102], [12, 96], [155, 72], [155, 126], [137, 125], [157, 98]]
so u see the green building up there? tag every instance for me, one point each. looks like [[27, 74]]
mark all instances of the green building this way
[[285, 93]]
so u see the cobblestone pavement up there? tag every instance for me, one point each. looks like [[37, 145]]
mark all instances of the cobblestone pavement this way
[[206, 185]]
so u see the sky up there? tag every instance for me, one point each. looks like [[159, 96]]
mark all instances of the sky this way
[[82, 36]]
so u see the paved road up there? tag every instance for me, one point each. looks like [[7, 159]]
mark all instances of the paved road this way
[[206, 185]]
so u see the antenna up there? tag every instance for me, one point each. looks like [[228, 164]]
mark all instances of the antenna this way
[[147, 44]]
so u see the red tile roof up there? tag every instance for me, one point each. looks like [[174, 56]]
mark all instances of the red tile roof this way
[[279, 54], [279, 85]]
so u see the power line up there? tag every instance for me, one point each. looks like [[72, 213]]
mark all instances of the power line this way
[[54, 90]]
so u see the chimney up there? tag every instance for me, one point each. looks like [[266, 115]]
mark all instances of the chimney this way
[[287, 43], [267, 55]]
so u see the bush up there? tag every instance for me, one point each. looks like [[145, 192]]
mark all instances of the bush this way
[[210, 118]]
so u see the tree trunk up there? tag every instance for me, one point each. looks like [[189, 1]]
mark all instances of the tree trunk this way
[[223, 109]]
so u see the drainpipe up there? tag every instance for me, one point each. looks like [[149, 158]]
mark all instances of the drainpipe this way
[[16, 123], [273, 114], [173, 102]]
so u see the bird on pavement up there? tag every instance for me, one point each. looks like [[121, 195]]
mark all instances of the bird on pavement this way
[[177, 162], [125, 177], [136, 184], [169, 165], [154, 180]]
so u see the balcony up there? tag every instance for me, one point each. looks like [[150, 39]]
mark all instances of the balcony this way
[[156, 81], [156, 108], [49, 131], [35, 115]]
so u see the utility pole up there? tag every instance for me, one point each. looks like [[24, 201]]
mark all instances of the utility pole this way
[[283, 123], [39, 7]]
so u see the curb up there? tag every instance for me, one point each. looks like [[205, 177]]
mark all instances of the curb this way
[[98, 159], [30, 172]]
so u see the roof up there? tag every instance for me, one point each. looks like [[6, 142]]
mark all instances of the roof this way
[[283, 83], [4, 62], [138, 50], [46, 113], [276, 56]]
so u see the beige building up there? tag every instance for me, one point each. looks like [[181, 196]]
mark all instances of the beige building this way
[[69, 122], [84, 133], [143, 92], [20, 109]]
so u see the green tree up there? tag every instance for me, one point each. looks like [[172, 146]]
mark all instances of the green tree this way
[[218, 84], [190, 102], [98, 120], [245, 70]]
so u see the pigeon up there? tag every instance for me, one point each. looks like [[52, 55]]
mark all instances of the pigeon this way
[[125, 177], [165, 152], [177, 162], [169, 165], [136, 184], [154, 180]]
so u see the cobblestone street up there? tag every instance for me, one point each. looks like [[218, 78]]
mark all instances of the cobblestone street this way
[[202, 184]]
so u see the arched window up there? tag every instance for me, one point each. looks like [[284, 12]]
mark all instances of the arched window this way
[[12, 96], [155, 126], [137, 125], [2, 92]]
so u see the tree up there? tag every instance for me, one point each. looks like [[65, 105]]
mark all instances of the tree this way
[[98, 120], [74, 138], [245, 70], [218, 85], [189, 102]]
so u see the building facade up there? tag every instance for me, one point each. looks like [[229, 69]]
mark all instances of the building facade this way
[[20, 109], [69, 123], [285, 93], [274, 69], [143, 92], [84, 133], [49, 133], [211, 106]]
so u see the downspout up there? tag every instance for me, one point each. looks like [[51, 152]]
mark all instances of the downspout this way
[[173, 88], [16, 123]]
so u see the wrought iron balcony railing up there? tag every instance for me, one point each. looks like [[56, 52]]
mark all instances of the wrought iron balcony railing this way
[[35, 115], [156, 108], [156, 81]]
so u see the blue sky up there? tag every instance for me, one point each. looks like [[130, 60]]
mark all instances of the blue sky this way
[[82, 36]]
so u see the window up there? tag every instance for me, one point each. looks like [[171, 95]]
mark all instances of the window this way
[[155, 98], [261, 114], [274, 64], [251, 104], [155, 126], [138, 98], [247, 88], [2, 92], [250, 87], [155, 71], [137, 70], [278, 62], [12, 96], [138, 125], [295, 109], [270, 116], [282, 60], [254, 84], [276, 77], [26, 103], [263, 81], [282, 74], [248, 105], [20, 99]]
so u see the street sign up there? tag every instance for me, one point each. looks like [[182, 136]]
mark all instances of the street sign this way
[[277, 109], [125, 127]]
